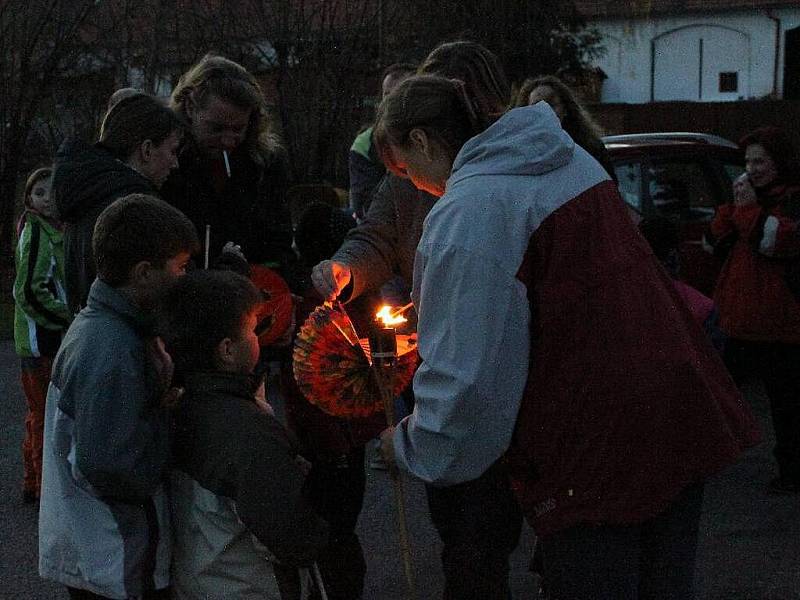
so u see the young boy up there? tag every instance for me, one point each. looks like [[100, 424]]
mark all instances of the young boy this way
[[236, 492], [104, 523]]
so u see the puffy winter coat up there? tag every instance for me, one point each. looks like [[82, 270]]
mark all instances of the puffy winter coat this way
[[104, 523], [549, 333]]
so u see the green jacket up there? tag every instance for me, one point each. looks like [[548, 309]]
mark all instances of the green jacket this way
[[40, 312]]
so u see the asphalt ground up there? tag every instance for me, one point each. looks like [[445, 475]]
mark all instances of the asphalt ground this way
[[748, 548]]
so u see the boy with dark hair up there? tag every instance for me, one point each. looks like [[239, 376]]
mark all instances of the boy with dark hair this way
[[104, 525], [237, 490]]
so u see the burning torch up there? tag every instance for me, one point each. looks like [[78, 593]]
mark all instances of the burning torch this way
[[383, 353]]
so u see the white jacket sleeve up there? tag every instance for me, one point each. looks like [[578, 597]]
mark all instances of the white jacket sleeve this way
[[474, 344]]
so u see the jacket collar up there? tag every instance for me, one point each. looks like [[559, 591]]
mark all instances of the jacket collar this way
[[53, 228], [203, 383], [103, 296], [772, 194]]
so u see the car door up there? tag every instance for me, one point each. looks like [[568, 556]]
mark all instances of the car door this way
[[686, 187]]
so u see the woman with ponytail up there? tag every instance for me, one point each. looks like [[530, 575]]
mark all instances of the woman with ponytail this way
[[476, 543], [555, 351], [419, 133]]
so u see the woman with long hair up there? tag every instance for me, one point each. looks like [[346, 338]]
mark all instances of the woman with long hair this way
[[574, 118], [384, 244], [233, 172], [479, 523]]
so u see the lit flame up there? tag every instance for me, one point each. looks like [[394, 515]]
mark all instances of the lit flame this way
[[386, 316]]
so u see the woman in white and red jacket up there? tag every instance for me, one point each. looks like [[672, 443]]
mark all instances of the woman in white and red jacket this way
[[758, 310], [555, 348]]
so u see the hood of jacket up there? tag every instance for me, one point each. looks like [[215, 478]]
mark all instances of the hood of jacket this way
[[87, 178], [525, 141]]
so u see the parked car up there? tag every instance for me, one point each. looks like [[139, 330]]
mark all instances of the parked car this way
[[683, 176]]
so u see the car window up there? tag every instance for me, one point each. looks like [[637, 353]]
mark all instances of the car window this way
[[733, 170], [629, 178], [681, 187]]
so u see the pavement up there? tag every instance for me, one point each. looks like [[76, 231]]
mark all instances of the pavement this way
[[749, 546]]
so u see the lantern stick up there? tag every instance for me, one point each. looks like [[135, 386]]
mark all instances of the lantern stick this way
[[208, 242], [384, 376], [227, 163], [318, 580], [399, 311]]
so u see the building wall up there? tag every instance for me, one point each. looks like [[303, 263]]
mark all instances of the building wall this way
[[681, 57]]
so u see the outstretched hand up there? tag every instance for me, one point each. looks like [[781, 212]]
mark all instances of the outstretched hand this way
[[330, 278]]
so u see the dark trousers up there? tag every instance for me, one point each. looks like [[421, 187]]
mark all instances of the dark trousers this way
[[653, 560], [337, 490], [76, 594], [778, 366], [479, 522], [35, 378]]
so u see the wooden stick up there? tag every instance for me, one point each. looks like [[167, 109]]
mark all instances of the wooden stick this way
[[318, 579], [399, 311], [382, 374], [208, 242]]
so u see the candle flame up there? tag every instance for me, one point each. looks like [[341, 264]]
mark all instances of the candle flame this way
[[386, 316]]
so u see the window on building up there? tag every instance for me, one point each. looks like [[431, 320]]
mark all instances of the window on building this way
[[729, 81]]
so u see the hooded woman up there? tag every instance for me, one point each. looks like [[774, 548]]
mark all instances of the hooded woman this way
[[555, 346], [136, 151]]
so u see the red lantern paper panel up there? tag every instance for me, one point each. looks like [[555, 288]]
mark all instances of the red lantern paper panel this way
[[336, 375]]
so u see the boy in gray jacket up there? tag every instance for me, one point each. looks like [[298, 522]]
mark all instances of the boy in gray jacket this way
[[104, 522]]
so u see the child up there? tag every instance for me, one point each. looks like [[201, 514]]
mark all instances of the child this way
[[237, 494], [40, 314], [104, 523], [334, 445]]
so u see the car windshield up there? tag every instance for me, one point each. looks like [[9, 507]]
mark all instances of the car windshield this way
[[681, 186]]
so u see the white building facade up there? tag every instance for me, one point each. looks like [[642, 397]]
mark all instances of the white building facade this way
[[720, 54]]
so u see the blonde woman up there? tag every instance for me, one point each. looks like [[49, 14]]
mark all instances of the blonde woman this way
[[233, 172]]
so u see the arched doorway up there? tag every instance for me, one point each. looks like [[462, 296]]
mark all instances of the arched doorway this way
[[701, 62]]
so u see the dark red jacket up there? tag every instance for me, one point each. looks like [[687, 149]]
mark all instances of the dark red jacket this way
[[627, 402], [754, 300]]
